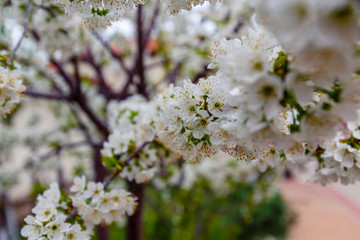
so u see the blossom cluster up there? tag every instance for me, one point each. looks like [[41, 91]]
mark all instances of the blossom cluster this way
[[101, 14], [93, 205], [103, 207], [177, 5], [339, 158], [49, 222], [190, 117], [132, 124], [289, 89], [11, 88]]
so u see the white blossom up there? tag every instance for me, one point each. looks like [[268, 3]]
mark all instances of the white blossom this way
[[11, 88], [189, 112]]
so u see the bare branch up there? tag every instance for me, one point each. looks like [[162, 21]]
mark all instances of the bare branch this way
[[77, 96], [202, 74], [126, 162], [27, 10], [103, 87], [49, 96], [139, 63], [82, 125], [113, 54], [100, 124], [152, 22], [172, 76], [63, 73]]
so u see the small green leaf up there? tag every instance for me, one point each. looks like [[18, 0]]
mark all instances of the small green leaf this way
[[109, 162]]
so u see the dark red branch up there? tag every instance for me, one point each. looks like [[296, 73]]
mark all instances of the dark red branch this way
[[202, 74], [47, 95], [134, 223], [139, 66], [103, 88], [69, 81], [102, 126], [77, 96]]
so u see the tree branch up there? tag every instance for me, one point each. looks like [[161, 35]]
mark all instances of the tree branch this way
[[152, 22], [27, 10], [103, 87], [139, 64], [102, 126], [204, 73], [116, 173], [62, 72], [77, 96], [126, 162], [172, 76], [113, 54], [47, 96]]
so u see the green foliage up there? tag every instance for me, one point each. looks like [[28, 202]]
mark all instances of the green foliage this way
[[110, 162], [100, 12], [37, 189], [199, 213], [281, 65]]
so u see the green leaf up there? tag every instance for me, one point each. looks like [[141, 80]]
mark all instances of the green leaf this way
[[109, 162]]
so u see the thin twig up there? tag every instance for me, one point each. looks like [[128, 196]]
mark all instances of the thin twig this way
[[126, 162], [102, 87], [63, 73], [113, 54], [82, 125], [172, 76], [99, 123], [202, 74], [47, 95], [71, 215], [27, 10], [152, 22]]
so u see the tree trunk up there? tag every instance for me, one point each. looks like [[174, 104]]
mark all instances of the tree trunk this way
[[100, 173], [134, 223]]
